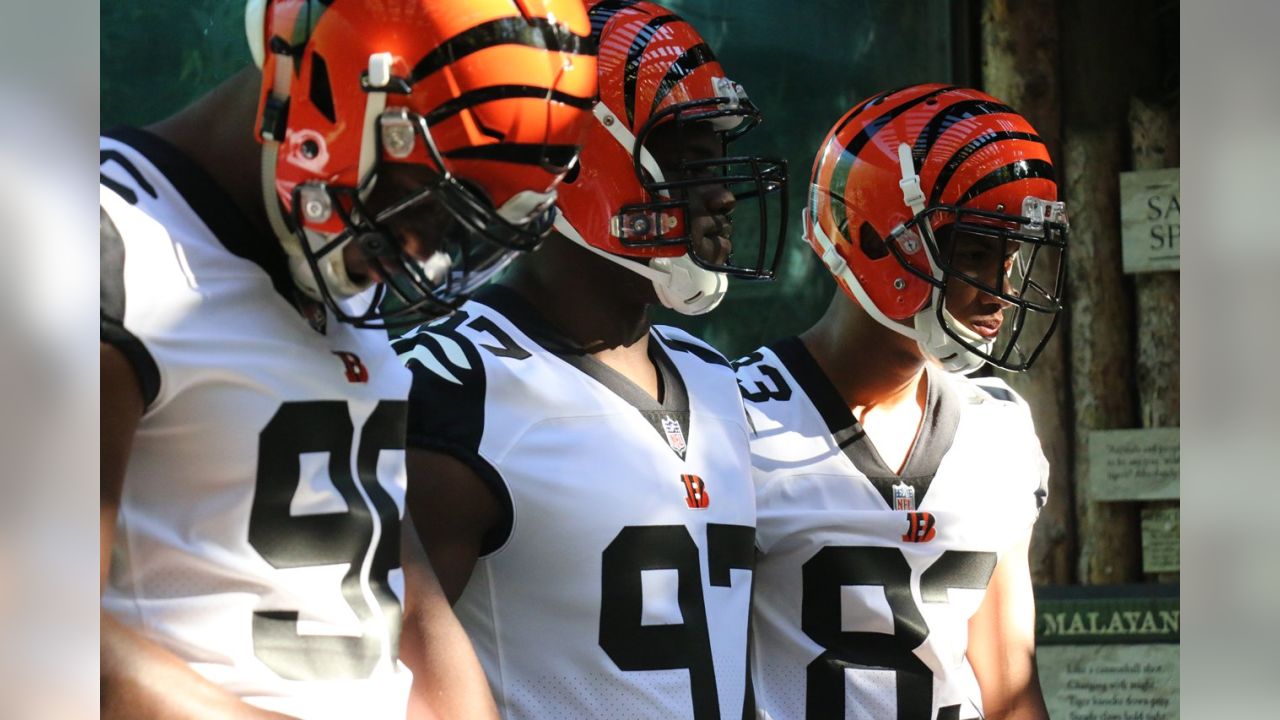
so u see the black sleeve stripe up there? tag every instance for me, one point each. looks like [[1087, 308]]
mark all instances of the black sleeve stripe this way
[[446, 400], [701, 352], [112, 298], [447, 416], [998, 393], [106, 156], [129, 196]]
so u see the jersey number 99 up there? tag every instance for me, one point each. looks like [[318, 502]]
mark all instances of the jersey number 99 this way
[[370, 546]]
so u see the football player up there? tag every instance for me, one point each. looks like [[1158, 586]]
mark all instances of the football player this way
[[253, 414], [896, 496], [580, 478]]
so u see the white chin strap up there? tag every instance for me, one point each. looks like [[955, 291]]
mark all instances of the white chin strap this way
[[255, 22], [943, 349], [936, 345], [681, 284], [933, 340], [333, 267]]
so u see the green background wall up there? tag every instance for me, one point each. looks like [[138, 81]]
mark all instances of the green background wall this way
[[804, 63]]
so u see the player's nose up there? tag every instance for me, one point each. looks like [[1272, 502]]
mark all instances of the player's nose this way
[[718, 200]]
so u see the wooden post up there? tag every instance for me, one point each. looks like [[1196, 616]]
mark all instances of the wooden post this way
[[1020, 58], [1154, 131], [1100, 357], [1155, 145], [1098, 47]]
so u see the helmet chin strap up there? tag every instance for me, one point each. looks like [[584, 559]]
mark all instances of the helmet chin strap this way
[[933, 340], [943, 349], [255, 20], [333, 266], [680, 284]]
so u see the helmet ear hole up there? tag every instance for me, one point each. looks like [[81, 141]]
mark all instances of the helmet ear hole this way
[[871, 243]]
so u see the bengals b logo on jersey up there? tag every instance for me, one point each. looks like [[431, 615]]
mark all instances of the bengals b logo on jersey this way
[[696, 496], [356, 371], [920, 527]]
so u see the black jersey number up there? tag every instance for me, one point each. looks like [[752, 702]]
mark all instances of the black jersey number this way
[[780, 390], [635, 646], [288, 541], [833, 567]]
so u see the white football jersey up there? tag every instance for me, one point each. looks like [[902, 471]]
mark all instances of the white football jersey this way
[[258, 533], [620, 584], [867, 579]]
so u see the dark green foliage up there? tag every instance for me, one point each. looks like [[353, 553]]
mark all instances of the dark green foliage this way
[[159, 55]]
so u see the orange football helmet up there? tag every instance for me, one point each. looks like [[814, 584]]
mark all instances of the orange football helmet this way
[[490, 95], [906, 174], [656, 69]]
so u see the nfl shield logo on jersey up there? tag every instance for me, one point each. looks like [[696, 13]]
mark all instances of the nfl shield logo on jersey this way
[[904, 497], [675, 434]]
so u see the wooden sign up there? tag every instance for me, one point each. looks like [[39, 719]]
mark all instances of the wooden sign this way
[[1150, 220], [1110, 682], [1160, 535], [1107, 614], [1127, 465], [1109, 653]]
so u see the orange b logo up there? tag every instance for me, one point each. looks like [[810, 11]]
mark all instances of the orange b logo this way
[[920, 527], [356, 371], [696, 496]]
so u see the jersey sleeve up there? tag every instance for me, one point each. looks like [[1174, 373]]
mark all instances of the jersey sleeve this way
[[1042, 463], [678, 340], [447, 406], [681, 341], [113, 302], [1037, 463]]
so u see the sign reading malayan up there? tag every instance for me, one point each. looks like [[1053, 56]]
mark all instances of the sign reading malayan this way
[[1150, 220], [1109, 653]]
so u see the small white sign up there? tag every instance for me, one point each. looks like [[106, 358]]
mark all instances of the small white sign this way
[[1150, 220], [1125, 682], [1160, 533], [1141, 464]]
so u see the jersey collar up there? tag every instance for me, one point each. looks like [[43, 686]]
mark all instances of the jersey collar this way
[[937, 430], [674, 406]]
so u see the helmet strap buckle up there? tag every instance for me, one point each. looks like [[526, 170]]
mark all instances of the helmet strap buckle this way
[[912, 195]]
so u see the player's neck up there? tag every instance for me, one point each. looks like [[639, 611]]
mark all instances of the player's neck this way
[[216, 132], [867, 363], [598, 305]]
